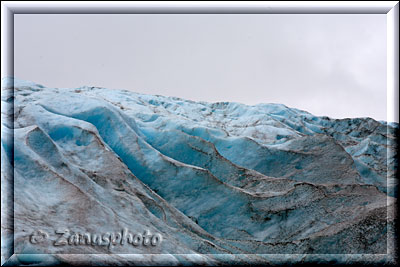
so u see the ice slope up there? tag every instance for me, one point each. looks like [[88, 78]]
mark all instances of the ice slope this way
[[264, 127], [211, 178]]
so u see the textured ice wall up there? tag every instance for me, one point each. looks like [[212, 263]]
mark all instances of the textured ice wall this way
[[211, 178]]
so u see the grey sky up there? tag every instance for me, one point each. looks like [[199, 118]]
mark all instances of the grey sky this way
[[332, 65]]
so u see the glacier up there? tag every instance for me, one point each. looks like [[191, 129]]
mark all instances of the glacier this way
[[221, 182]]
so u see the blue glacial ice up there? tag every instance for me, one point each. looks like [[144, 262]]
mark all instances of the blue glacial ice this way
[[221, 182]]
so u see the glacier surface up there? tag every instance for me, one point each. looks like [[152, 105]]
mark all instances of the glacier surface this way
[[220, 182]]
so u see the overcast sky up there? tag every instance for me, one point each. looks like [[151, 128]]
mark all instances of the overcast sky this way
[[332, 65]]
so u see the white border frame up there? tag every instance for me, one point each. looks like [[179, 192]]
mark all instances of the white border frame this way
[[390, 8]]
